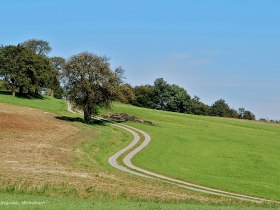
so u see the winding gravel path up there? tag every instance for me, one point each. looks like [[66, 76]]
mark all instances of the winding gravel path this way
[[140, 171], [132, 169]]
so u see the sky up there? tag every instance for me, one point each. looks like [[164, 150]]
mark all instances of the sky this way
[[213, 48]]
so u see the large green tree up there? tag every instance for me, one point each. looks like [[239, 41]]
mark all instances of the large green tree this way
[[125, 93], [221, 109], [178, 100], [90, 83], [160, 94], [198, 107], [143, 96], [12, 62], [163, 96], [44, 74], [22, 69], [245, 114], [58, 63], [57, 78]]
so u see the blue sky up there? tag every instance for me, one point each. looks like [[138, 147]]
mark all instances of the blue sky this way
[[214, 48]]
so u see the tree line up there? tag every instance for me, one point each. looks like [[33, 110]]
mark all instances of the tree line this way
[[171, 97], [88, 81]]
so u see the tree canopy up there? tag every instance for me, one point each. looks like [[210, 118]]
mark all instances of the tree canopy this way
[[220, 108], [21, 68], [245, 114], [178, 100], [40, 47], [198, 107], [58, 63], [143, 96], [163, 96], [125, 93]]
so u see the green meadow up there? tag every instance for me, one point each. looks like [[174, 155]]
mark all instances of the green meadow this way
[[47, 103], [234, 155], [28, 202]]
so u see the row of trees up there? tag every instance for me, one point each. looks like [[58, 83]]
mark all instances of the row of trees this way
[[171, 97], [89, 83], [268, 120]]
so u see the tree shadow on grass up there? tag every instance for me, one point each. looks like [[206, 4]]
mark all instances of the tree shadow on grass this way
[[23, 95], [81, 120], [114, 121], [30, 96], [3, 92]]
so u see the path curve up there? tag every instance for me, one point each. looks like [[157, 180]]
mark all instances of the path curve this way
[[132, 169], [180, 183]]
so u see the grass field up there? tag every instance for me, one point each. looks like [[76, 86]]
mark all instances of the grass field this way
[[233, 155], [28, 202], [49, 104], [106, 188]]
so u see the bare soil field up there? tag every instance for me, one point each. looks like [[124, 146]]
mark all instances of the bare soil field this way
[[34, 144]]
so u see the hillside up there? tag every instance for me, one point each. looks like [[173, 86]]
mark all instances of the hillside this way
[[74, 163], [234, 155]]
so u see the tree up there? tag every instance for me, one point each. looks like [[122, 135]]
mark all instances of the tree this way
[[40, 47], [119, 73], [232, 113], [90, 83], [3, 85], [241, 112], [44, 74], [23, 69], [263, 119], [163, 96], [160, 94], [220, 108], [2, 82], [199, 108], [245, 114], [58, 63], [143, 96], [249, 115], [178, 100], [54, 89], [12, 62], [125, 93]]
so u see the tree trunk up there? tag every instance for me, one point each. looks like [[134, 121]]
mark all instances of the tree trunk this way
[[36, 91], [21, 90], [14, 91], [87, 115]]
